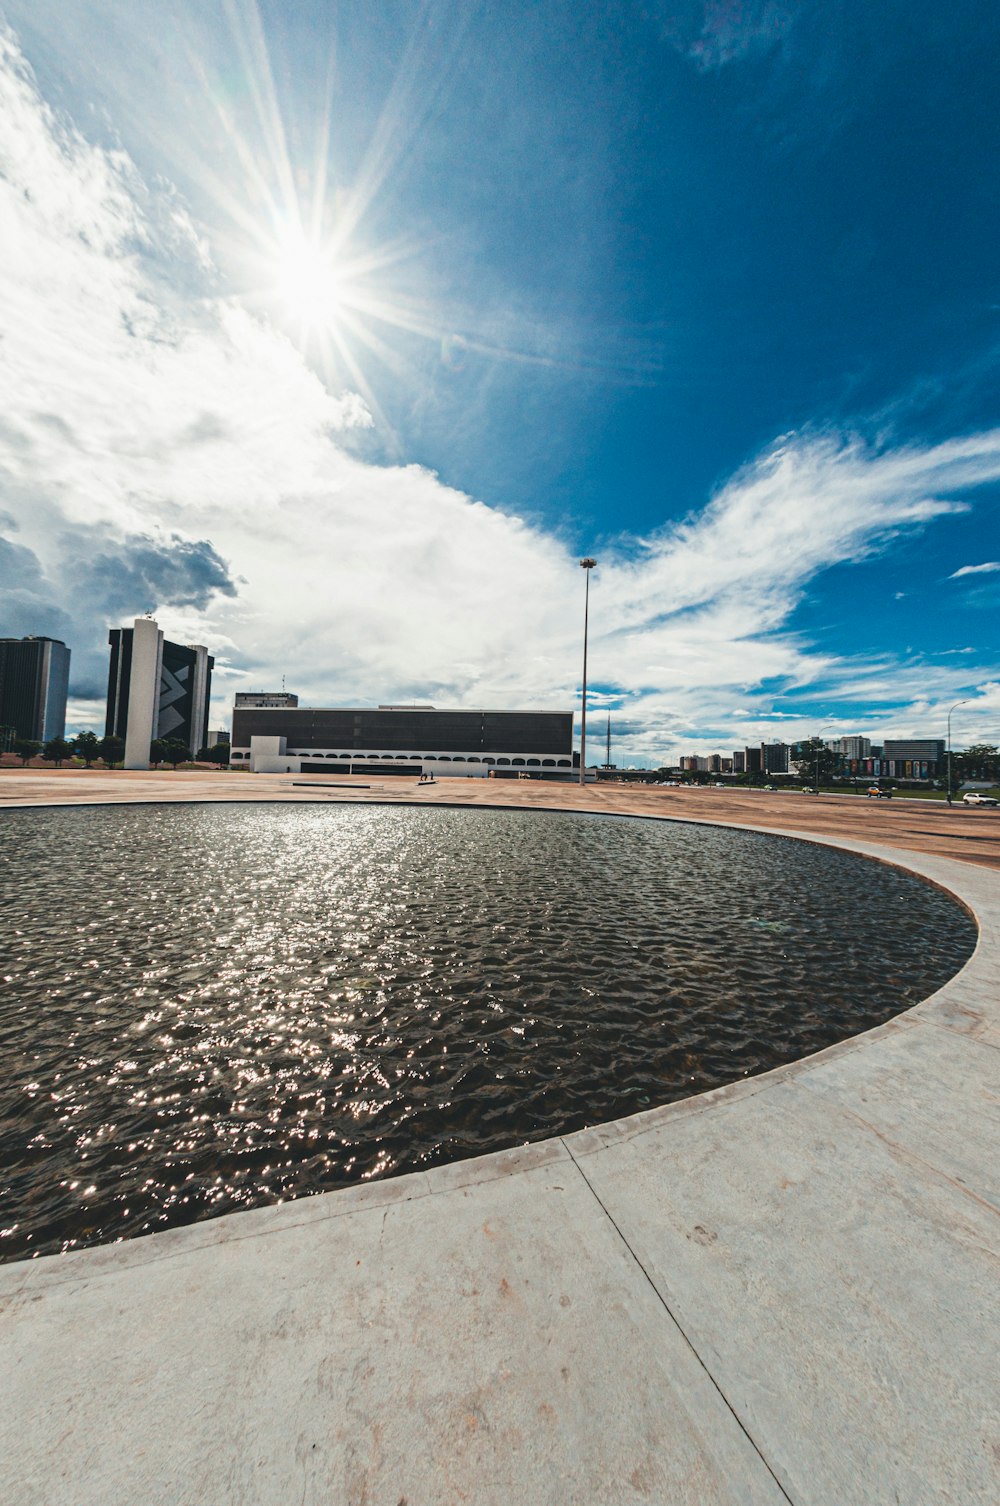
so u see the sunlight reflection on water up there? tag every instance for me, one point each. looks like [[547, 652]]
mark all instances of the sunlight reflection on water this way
[[211, 1008]]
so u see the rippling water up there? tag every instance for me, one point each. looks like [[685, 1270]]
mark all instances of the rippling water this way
[[209, 1008]]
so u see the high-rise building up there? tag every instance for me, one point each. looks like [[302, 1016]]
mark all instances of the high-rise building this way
[[156, 689], [774, 758], [34, 680], [854, 747]]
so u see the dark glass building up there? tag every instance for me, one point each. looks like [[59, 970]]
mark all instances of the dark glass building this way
[[366, 739], [34, 681], [175, 680]]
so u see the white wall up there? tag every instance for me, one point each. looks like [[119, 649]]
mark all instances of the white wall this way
[[269, 755], [143, 692]]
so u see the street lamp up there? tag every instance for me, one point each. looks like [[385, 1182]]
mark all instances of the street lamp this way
[[954, 708], [819, 737], [587, 565]]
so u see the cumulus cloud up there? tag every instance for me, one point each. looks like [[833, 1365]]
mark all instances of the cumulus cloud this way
[[29, 604], [170, 572], [163, 448]]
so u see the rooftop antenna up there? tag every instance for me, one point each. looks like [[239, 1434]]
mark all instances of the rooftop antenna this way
[[282, 685]]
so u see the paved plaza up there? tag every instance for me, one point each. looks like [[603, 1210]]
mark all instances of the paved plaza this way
[[781, 1291], [914, 825]]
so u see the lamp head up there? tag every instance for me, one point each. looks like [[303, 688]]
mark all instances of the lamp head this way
[[588, 563]]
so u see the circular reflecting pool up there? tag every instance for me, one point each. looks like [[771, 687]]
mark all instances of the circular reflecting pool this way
[[206, 1008]]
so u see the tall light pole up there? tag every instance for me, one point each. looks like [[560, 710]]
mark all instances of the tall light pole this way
[[954, 708], [819, 738], [586, 564]]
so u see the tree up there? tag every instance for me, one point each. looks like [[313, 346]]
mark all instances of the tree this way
[[56, 750], [816, 762], [86, 746], [175, 752], [217, 753], [157, 752], [981, 761], [112, 749], [26, 749]]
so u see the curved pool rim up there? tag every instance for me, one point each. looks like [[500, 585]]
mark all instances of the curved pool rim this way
[[949, 1007]]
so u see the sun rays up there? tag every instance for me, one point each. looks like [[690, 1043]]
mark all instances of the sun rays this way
[[303, 226]]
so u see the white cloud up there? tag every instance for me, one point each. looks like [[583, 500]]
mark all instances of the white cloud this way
[[158, 441], [976, 569]]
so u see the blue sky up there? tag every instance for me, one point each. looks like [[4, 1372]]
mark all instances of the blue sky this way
[[334, 333]]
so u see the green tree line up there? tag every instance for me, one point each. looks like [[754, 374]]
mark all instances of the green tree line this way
[[111, 751]]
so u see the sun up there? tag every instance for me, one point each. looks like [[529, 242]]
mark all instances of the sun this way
[[310, 284]]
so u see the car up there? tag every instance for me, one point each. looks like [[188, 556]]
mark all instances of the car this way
[[974, 798], [875, 793]]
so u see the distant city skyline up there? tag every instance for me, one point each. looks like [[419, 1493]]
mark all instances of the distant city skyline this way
[[333, 336]]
